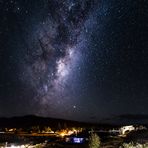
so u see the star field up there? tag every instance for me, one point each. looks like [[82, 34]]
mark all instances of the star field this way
[[82, 60]]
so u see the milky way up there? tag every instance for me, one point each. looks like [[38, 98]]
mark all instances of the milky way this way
[[55, 55]]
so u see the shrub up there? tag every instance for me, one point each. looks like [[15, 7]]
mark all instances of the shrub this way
[[94, 141], [134, 145]]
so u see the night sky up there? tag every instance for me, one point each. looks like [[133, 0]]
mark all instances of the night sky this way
[[74, 59]]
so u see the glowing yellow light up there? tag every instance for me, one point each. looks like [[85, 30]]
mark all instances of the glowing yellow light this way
[[62, 134]]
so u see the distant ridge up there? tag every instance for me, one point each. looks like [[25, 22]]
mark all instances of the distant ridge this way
[[134, 116], [128, 119], [33, 120]]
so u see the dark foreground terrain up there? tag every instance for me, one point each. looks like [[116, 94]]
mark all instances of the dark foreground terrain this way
[[37, 132]]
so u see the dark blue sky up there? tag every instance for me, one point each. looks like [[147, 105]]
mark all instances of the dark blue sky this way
[[81, 60]]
